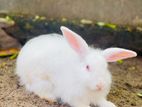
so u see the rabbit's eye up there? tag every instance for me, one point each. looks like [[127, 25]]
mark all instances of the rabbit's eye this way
[[88, 67]]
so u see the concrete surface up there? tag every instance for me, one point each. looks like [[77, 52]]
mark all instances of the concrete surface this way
[[114, 11]]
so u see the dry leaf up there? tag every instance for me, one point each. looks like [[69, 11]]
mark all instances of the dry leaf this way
[[8, 52]]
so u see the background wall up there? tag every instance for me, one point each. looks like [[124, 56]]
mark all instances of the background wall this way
[[115, 11]]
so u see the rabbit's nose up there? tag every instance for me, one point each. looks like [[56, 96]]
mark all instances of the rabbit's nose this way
[[99, 86]]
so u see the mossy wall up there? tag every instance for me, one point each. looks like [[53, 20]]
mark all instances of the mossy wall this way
[[114, 11]]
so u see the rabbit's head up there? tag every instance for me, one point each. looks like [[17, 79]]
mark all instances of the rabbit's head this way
[[94, 61]]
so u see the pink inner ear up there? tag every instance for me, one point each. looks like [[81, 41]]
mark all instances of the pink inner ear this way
[[75, 41], [120, 55], [72, 40]]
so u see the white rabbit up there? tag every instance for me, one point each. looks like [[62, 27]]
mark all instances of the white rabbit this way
[[55, 66]]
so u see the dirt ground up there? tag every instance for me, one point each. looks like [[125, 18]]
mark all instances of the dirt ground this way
[[127, 82]]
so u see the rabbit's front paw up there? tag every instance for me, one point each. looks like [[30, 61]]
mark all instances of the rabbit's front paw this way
[[107, 104], [83, 106], [80, 105]]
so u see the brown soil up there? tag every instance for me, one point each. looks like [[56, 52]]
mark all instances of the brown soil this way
[[127, 82]]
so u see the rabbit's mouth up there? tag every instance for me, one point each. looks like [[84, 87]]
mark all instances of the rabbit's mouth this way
[[100, 87]]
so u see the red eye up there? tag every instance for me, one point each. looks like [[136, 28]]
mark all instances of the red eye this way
[[87, 67]]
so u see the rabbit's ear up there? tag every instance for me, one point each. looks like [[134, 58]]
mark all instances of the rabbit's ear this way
[[115, 54], [75, 41]]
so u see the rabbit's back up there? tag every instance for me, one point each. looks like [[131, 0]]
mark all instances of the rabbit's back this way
[[46, 54]]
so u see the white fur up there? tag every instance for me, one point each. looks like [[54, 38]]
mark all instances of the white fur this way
[[49, 67]]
